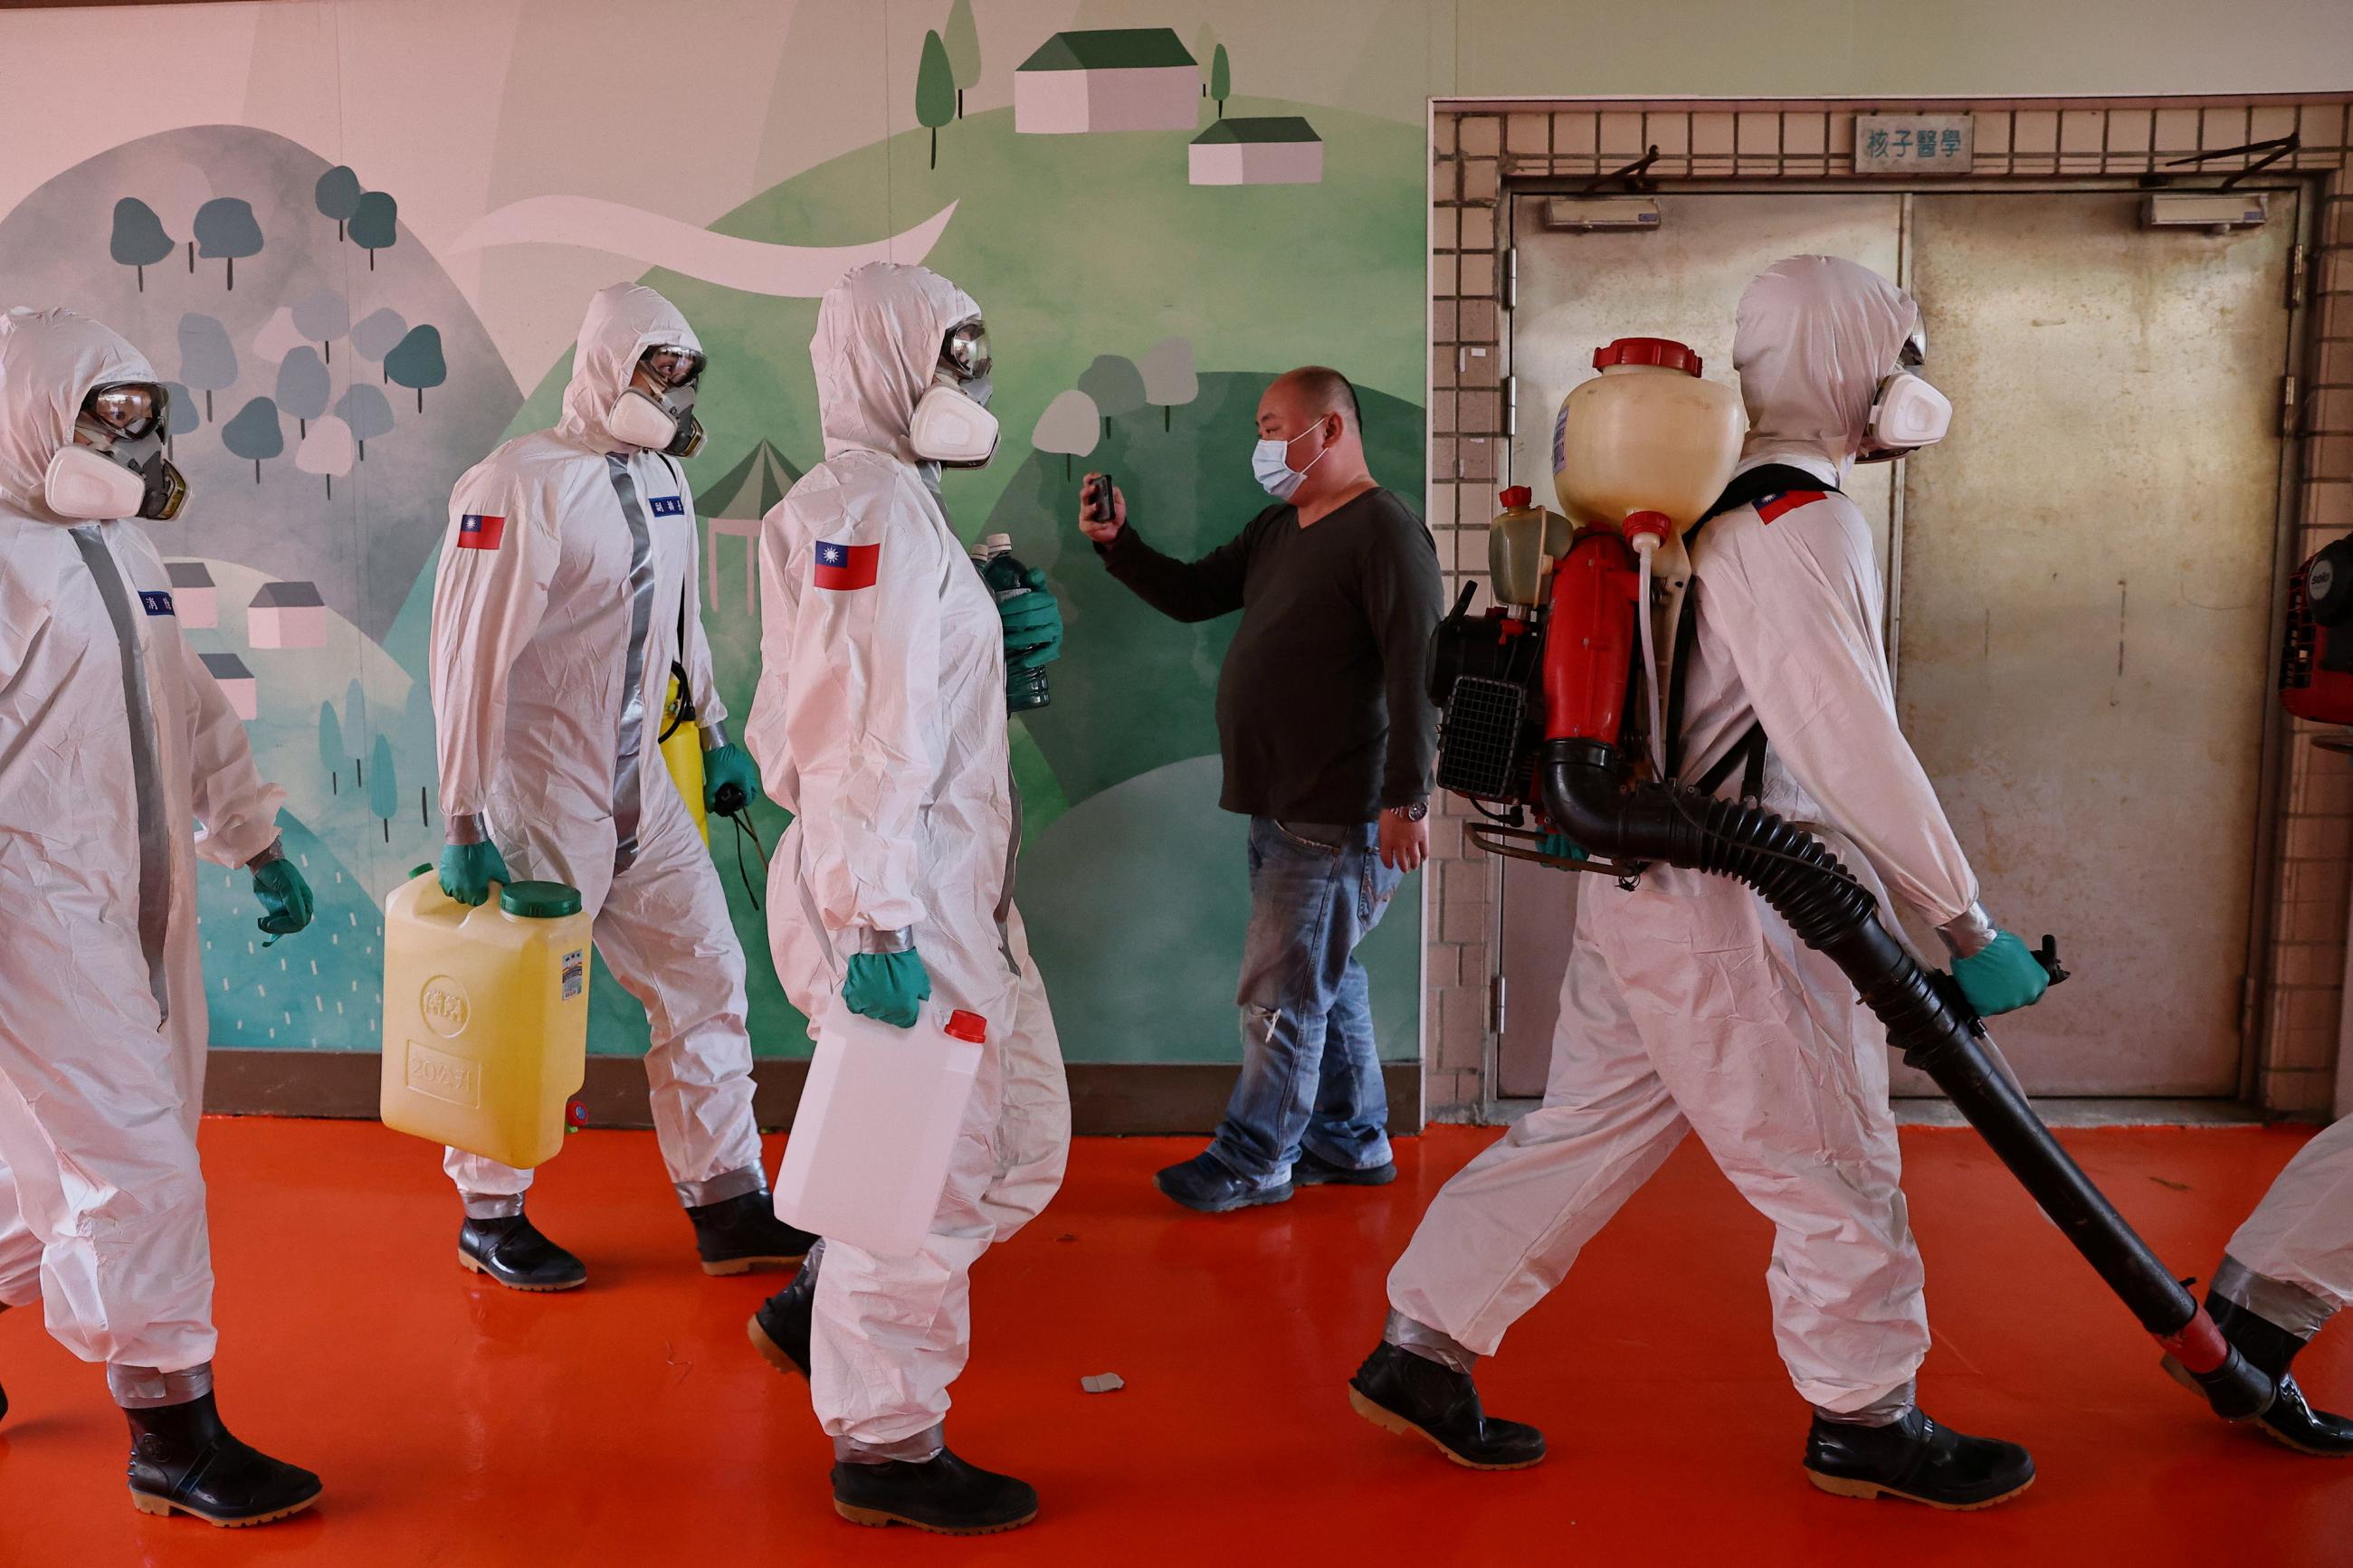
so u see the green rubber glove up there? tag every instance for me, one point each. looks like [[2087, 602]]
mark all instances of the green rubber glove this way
[[2003, 978], [1033, 625], [727, 765], [889, 987], [286, 902], [469, 869], [1560, 846]]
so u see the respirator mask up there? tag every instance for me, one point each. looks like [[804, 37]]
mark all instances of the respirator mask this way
[[656, 410], [1906, 413], [114, 467], [952, 425]]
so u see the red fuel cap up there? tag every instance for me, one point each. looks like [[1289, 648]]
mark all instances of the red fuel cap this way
[[963, 1026], [1663, 351], [1514, 496]]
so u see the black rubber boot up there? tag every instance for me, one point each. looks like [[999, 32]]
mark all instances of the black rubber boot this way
[[1400, 1392], [1311, 1170], [1918, 1459], [2270, 1348], [183, 1460], [511, 1251], [740, 1234], [943, 1494], [779, 1331]]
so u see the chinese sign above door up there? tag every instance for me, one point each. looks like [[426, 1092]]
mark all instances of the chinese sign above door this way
[[1914, 143]]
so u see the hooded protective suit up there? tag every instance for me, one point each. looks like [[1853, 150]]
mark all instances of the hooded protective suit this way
[[2291, 1263], [1689, 1005], [881, 724], [113, 738], [566, 577]]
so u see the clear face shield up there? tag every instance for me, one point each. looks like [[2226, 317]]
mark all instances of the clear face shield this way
[[1906, 413], [656, 410], [952, 425], [114, 467]]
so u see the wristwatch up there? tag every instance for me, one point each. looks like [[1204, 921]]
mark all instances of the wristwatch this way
[[1413, 813]]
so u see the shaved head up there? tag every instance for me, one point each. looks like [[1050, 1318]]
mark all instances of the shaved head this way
[[1321, 390]]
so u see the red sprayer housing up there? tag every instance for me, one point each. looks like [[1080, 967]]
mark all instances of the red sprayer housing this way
[[1589, 638]]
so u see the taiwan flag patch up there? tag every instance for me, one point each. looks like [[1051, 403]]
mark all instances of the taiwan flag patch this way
[[845, 566], [154, 603], [476, 531], [669, 506], [1770, 508]]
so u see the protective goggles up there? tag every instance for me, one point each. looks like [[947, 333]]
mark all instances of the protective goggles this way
[[669, 368], [132, 409], [965, 352]]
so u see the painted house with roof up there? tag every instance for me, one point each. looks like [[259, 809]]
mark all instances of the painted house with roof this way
[[236, 684], [1108, 79], [1276, 150], [731, 506], [287, 615], [194, 598]]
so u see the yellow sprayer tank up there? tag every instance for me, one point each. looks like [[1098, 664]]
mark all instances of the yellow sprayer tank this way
[[1647, 435], [485, 1016], [682, 750]]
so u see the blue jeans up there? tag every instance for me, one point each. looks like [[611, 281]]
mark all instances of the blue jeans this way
[[1311, 1076]]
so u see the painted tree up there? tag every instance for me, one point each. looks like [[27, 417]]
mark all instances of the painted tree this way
[[225, 230], [178, 191], [376, 224], [1070, 426], [963, 41], [303, 387], [1115, 386], [377, 333], [255, 434], [139, 240], [416, 363], [367, 411], [935, 90], [1169, 377], [322, 318], [337, 196], [412, 745], [355, 727], [180, 415], [1222, 79], [207, 362], [1205, 44], [326, 451], [330, 747], [384, 792]]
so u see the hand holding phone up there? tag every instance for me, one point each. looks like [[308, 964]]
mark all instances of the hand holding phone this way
[[1103, 511]]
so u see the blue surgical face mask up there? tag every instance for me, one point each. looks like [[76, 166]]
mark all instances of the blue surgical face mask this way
[[1271, 462]]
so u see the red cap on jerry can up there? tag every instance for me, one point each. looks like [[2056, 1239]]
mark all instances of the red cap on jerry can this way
[[963, 1026], [1663, 351], [1516, 496]]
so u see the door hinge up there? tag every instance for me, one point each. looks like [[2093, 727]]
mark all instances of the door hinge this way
[[1511, 277], [1495, 1013], [2295, 265], [2287, 403], [1511, 407]]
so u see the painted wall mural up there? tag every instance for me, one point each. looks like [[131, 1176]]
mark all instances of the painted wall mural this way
[[1149, 247]]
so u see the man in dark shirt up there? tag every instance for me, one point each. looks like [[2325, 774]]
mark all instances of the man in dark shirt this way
[[1327, 740]]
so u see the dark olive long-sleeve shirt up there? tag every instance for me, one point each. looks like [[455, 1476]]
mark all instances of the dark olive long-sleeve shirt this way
[[1321, 716]]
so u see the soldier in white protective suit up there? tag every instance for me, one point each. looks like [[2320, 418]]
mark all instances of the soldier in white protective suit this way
[[881, 721]]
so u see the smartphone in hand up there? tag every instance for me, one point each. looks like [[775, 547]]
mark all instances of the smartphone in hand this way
[[1098, 499]]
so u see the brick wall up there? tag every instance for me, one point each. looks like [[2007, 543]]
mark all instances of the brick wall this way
[[1477, 147]]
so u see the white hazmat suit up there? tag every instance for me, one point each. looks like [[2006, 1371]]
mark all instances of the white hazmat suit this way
[[114, 739], [566, 577], [2291, 1263], [1689, 1005], [881, 723]]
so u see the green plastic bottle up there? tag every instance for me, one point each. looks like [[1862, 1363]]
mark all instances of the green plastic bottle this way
[[1007, 579]]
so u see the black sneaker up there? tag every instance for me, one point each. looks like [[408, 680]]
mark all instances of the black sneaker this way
[[511, 1251], [779, 1331], [1411, 1395], [943, 1494], [2291, 1421], [740, 1234], [1204, 1185], [1918, 1459], [1311, 1170], [182, 1461]]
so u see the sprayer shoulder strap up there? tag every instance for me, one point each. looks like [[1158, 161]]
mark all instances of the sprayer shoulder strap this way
[[1748, 753]]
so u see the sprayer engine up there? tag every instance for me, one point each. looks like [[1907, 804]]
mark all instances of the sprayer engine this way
[[2316, 675]]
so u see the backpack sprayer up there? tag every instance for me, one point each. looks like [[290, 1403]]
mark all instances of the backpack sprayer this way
[[1535, 719]]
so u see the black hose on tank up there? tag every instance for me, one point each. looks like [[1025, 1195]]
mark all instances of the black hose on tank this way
[[1831, 913]]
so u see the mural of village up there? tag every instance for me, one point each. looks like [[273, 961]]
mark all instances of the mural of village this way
[[329, 382]]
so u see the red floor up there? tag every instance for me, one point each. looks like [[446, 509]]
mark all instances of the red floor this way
[[458, 1423]]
